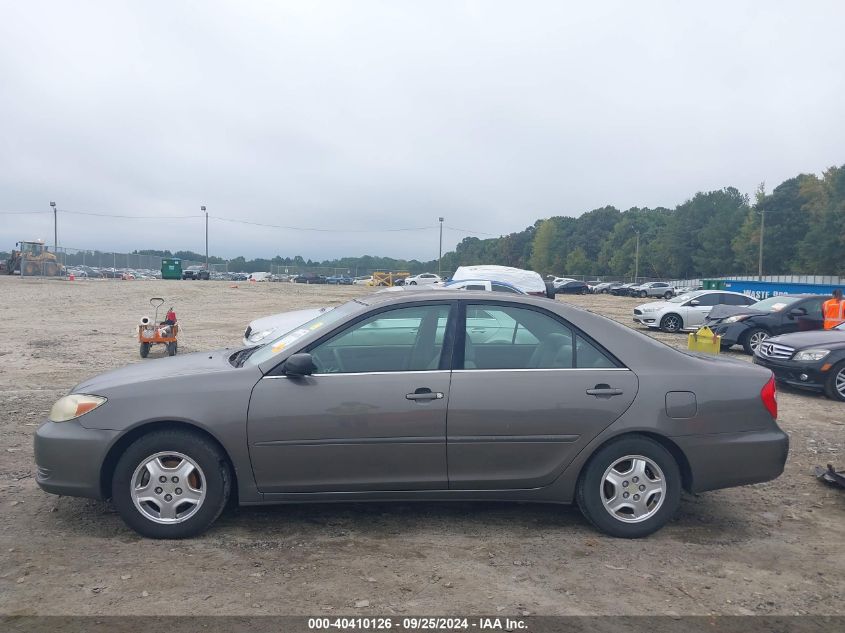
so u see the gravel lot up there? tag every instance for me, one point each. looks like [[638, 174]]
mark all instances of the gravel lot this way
[[772, 548]]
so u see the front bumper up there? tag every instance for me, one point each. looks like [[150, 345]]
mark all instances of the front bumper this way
[[68, 458], [731, 333], [724, 460], [795, 374], [648, 319]]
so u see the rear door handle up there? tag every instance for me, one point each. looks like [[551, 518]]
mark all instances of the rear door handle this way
[[604, 390], [424, 393]]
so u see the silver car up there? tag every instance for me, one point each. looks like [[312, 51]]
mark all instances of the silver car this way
[[418, 396], [686, 312]]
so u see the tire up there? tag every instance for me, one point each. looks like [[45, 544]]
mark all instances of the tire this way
[[672, 323], [753, 338], [209, 483], [667, 295], [834, 386], [583, 291], [412, 283], [171, 349], [643, 294], [659, 473], [145, 350], [604, 292]]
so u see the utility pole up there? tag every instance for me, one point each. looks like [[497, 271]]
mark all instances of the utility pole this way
[[760, 254], [202, 208], [55, 228], [637, 256], [440, 252]]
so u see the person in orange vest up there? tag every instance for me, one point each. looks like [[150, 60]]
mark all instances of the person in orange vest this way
[[834, 310]]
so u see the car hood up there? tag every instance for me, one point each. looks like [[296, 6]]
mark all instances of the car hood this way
[[724, 311], [286, 321], [159, 369], [653, 305], [829, 339]]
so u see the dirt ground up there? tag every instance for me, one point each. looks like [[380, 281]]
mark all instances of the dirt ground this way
[[773, 548]]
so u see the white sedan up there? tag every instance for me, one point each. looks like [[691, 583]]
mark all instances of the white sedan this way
[[423, 279], [687, 311]]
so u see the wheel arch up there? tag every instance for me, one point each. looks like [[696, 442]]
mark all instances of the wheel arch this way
[[124, 441], [674, 450]]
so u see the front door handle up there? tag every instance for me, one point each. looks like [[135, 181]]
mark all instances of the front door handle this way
[[604, 390], [424, 393]]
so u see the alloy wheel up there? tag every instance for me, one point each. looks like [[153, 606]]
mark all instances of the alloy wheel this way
[[839, 383], [756, 338], [633, 489], [672, 323], [168, 487]]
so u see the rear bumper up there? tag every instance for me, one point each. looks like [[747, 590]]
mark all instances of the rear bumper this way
[[68, 458], [724, 460], [801, 375]]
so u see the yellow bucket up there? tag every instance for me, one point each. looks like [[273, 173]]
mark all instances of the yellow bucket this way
[[704, 340]]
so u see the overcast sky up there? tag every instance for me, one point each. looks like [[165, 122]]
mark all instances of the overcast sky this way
[[362, 116]]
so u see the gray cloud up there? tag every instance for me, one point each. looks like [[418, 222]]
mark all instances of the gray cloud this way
[[356, 115]]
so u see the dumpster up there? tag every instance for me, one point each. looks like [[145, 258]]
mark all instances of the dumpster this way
[[171, 268], [713, 284]]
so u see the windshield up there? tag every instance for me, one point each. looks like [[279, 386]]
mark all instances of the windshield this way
[[840, 327], [283, 342], [773, 304], [684, 297]]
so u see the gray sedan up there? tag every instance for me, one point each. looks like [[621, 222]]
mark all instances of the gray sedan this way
[[402, 396]]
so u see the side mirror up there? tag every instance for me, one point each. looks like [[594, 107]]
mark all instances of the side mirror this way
[[797, 312], [299, 365], [695, 302]]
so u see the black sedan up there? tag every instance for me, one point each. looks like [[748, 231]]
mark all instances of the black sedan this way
[[751, 325], [573, 287], [310, 278], [623, 291], [807, 360]]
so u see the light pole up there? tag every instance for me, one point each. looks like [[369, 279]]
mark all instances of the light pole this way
[[637, 256], [760, 254], [202, 208], [440, 252], [55, 228]]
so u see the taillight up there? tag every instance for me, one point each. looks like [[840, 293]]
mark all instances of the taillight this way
[[769, 396]]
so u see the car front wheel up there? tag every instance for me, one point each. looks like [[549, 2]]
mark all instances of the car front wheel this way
[[752, 340], [171, 484], [630, 488], [835, 383], [671, 323]]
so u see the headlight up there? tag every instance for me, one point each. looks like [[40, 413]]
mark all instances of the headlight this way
[[255, 337], [738, 317], [811, 354], [73, 406]]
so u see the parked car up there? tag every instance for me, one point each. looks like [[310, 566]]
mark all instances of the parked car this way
[[268, 328], [572, 287], [652, 289], [526, 280], [783, 314], [363, 281], [686, 312], [423, 279], [339, 280], [483, 284], [195, 272], [606, 286], [260, 276], [623, 290], [353, 404], [812, 360], [309, 278]]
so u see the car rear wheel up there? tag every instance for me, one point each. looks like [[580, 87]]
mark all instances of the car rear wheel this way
[[672, 323], [171, 484], [630, 488], [667, 295], [834, 386], [752, 340], [643, 294]]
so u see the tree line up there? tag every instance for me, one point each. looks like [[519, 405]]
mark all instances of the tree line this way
[[712, 233]]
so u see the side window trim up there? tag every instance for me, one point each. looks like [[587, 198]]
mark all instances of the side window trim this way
[[459, 346]]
